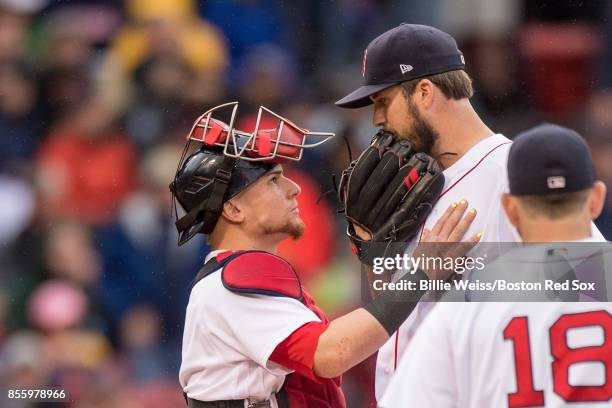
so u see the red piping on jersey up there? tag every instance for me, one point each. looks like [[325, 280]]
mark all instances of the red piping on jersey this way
[[423, 227], [473, 168], [395, 355], [464, 176]]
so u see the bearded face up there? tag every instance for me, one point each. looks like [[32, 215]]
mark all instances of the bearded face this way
[[422, 134], [294, 227], [396, 112], [416, 129]]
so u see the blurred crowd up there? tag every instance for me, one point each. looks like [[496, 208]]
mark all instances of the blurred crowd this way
[[96, 98]]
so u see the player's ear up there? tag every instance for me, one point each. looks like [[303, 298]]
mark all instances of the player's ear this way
[[424, 93], [510, 205], [597, 199], [232, 211]]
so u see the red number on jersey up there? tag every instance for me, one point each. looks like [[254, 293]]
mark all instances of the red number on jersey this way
[[526, 395], [564, 356]]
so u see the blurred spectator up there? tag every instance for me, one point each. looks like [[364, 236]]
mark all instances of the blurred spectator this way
[[482, 19], [71, 33], [65, 46], [164, 25], [86, 167], [20, 117], [559, 93], [598, 132], [78, 360], [62, 90], [22, 362], [141, 261], [604, 71], [246, 24], [168, 27], [57, 305], [141, 331], [563, 10], [15, 17], [69, 253], [71, 353], [161, 101], [266, 77], [165, 65], [3, 312], [63, 250], [16, 209], [599, 113], [342, 44], [500, 97]]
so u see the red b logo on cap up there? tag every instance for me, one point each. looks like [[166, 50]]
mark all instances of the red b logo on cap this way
[[365, 56]]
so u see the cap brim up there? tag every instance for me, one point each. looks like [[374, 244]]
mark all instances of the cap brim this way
[[360, 97]]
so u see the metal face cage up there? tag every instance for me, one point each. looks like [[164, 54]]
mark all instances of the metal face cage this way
[[286, 141], [276, 144]]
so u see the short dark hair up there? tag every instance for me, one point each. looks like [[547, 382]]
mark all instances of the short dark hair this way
[[555, 206], [455, 84]]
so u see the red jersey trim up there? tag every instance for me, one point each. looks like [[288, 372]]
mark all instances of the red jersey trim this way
[[473, 168]]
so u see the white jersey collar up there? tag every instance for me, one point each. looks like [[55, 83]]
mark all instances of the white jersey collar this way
[[214, 253], [475, 154]]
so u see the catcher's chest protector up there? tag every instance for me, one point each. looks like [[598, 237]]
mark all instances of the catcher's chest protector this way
[[298, 391]]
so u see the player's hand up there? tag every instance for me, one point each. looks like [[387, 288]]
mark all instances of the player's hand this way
[[361, 233], [444, 240]]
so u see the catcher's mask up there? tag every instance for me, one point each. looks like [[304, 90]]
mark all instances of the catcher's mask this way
[[226, 160]]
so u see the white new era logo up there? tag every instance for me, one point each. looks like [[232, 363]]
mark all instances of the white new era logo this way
[[556, 182], [406, 68]]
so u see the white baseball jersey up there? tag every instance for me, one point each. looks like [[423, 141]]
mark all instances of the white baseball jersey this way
[[229, 337], [488, 355], [480, 177], [508, 355]]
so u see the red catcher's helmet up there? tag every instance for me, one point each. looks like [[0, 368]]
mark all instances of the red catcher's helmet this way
[[227, 161]]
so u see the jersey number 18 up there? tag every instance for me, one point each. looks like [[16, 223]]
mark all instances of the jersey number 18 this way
[[563, 357]]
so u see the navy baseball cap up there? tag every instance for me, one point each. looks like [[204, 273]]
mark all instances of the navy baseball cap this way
[[406, 52], [549, 159]]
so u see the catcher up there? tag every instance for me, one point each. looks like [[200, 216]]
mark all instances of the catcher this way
[[253, 336]]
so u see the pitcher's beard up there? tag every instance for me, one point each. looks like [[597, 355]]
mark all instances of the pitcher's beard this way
[[295, 229], [422, 135]]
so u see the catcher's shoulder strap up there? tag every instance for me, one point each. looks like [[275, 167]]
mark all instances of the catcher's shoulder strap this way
[[255, 272]]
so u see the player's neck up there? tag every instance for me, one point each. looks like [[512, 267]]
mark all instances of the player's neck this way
[[233, 240], [572, 229], [460, 129]]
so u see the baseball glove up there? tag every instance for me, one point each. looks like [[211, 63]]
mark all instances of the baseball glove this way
[[388, 191]]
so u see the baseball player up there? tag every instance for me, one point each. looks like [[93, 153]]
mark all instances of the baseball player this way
[[414, 77], [522, 354], [253, 336]]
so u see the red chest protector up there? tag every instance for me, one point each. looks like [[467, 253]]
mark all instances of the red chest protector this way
[[259, 272]]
